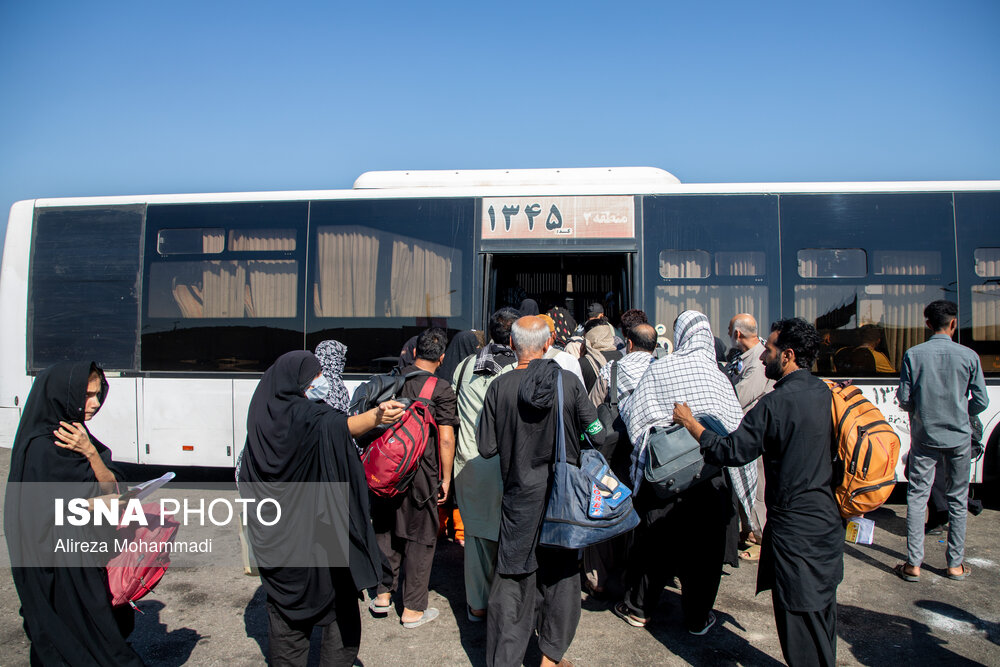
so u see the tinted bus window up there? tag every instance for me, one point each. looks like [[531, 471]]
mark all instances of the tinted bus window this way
[[190, 241], [833, 263], [83, 295], [384, 270], [978, 218], [717, 254], [685, 264], [903, 243], [222, 285]]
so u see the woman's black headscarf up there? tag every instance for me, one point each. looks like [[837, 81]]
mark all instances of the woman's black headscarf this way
[[528, 307], [293, 446], [408, 354], [462, 345], [67, 610]]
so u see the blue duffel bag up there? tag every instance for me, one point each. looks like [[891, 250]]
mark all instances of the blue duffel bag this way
[[587, 504]]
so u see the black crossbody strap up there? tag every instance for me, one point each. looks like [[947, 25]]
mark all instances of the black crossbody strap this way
[[614, 384]]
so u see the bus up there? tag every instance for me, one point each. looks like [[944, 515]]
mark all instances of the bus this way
[[186, 299]]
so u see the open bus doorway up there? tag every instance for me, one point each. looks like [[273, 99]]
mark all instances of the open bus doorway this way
[[573, 281]]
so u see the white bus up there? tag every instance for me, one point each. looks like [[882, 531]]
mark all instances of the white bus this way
[[187, 299]]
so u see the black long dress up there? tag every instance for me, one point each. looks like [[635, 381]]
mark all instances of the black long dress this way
[[67, 610], [294, 441]]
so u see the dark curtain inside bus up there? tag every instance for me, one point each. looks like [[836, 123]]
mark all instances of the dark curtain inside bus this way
[[573, 281]]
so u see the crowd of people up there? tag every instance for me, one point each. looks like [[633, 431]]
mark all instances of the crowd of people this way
[[487, 473]]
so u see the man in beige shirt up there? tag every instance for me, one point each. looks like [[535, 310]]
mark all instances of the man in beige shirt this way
[[746, 371]]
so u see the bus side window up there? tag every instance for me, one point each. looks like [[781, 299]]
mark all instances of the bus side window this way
[[865, 266], [986, 297], [223, 285], [84, 286]]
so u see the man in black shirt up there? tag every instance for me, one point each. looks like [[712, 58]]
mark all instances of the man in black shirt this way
[[802, 556], [518, 423], [406, 525]]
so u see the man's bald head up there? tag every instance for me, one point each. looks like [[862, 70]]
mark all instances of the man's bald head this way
[[642, 338], [743, 331], [529, 336]]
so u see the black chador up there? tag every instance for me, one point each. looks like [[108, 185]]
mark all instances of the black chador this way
[[67, 610], [292, 441]]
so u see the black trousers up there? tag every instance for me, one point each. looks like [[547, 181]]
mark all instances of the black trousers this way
[[683, 537], [289, 640], [807, 638], [546, 600]]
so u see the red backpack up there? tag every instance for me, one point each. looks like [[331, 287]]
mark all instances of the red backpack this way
[[133, 574], [391, 460]]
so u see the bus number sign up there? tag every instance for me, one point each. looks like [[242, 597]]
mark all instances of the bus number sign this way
[[558, 217]]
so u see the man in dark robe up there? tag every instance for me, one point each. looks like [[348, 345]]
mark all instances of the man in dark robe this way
[[406, 525], [518, 423], [802, 557]]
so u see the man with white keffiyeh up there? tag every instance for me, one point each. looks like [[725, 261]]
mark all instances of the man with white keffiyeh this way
[[690, 375], [701, 515]]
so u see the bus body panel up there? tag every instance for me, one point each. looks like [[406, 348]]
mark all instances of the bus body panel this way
[[117, 422], [14, 382], [187, 422]]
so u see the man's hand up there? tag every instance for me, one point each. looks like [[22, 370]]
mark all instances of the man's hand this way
[[74, 438], [443, 491], [683, 416]]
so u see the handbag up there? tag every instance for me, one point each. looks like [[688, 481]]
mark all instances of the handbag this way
[[673, 459], [587, 504], [135, 572]]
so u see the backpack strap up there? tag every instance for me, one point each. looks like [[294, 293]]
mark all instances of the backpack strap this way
[[614, 385], [461, 373], [428, 389], [425, 395]]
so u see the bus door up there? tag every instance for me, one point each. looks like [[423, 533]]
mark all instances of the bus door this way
[[560, 251], [571, 280]]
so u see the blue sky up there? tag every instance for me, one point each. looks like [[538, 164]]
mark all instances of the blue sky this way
[[156, 97]]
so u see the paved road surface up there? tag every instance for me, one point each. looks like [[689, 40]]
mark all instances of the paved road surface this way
[[215, 615]]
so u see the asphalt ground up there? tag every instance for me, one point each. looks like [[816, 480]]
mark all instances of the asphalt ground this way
[[214, 615]]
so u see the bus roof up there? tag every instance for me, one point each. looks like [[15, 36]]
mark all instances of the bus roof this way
[[527, 182]]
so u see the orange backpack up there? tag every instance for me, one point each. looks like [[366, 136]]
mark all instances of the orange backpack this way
[[867, 448]]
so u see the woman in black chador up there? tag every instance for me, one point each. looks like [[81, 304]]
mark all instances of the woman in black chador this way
[[297, 447], [66, 608]]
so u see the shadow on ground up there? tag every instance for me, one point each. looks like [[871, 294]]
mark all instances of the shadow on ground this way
[[154, 644], [916, 643]]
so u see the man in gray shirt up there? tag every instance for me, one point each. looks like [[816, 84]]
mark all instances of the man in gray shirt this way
[[940, 385], [746, 371]]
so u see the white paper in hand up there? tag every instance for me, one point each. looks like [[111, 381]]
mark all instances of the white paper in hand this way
[[145, 489]]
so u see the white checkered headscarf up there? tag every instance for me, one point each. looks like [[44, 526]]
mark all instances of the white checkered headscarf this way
[[690, 375]]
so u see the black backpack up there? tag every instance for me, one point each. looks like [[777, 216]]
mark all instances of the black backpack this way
[[378, 389]]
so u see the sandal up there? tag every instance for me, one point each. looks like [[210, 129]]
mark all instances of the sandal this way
[[901, 572], [429, 615], [708, 626], [379, 610], [966, 571], [751, 553]]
